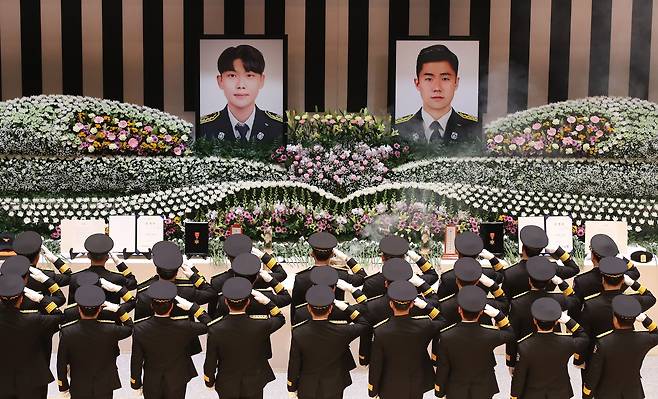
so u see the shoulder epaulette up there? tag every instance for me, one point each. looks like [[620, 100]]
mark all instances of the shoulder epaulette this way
[[587, 298], [374, 297], [146, 287], [106, 321], [184, 285], [299, 324], [467, 116], [209, 117], [71, 306], [420, 317], [604, 334], [524, 338], [489, 327], [142, 319], [301, 305], [258, 316], [274, 116], [29, 311], [338, 321], [448, 328], [405, 118], [380, 323], [68, 324], [446, 297], [520, 295], [215, 321], [180, 317]]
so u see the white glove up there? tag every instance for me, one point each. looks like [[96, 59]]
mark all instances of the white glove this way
[[257, 252], [641, 317], [183, 303], [110, 307], [486, 254], [110, 287], [419, 303], [292, 395], [140, 393], [267, 277], [345, 286], [413, 255], [64, 395], [557, 280], [486, 280], [115, 258], [551, 248], [33, 295], [48, 254], [260, 297], [38, 275], [340, 304], [628, 280], [187, 271], [340, 254], [491, 311], [581, 366], [564, 317], [416, 280]]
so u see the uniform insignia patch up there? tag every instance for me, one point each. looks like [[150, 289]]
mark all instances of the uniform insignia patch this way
[[405, 118], [274, 116], [468, 117], [209, 117], [258, 316], [260, 135]]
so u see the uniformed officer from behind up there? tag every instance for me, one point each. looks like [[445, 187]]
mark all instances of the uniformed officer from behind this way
[[161, 345], [466, 365], [237, 344], [20, 266], [88, 348], [614, 371], [400, 367], [25, 372], [317, 368], [534, 240], [543, 355], [470, 245]]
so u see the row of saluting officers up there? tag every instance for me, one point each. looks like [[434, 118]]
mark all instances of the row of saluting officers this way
[[397, 315]]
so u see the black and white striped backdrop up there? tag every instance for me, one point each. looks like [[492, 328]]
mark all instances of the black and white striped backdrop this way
[[143, 51]]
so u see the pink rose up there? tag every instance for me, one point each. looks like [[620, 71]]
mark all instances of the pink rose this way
[[580, 128], [518, 140], [133, 143], [98, 119], [111, 136], [536, 126], [167, 138], [178, 150], [498, 139], [539, 145], [571, 119], [551, 132], [123, 124], [148, 129], [595, 119], [599, 133]]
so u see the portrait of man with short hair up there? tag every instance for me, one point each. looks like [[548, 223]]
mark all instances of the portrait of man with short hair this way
[[437, 123], [241, 76]]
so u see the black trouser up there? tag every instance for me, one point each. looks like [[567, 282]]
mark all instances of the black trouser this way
[[40, 392], [103, 396], [259, 395], [163, 392]]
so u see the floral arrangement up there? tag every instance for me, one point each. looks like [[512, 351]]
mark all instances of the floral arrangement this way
[[329, 128], [126, 174], [53, 125], [579, 135], [633, 126], [340, 169], [111, 135], [619, 178]]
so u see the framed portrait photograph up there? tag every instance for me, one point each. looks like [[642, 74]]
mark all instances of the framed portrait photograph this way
[[242, 89], [436, 91]]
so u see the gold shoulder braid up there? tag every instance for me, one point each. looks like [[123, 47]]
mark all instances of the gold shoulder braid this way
[[405, 118], [274, 116], [209, 117], [467, 116]]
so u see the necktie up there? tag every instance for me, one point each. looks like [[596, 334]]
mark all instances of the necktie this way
[[242, 129], [437, 132]]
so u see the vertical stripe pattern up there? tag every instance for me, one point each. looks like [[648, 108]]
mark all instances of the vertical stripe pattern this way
[[146, 51]]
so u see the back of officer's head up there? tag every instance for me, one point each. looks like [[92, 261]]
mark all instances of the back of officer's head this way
[[530, 252], [166, 274], [252, 59], [436, 53], [11, 290], [161, 307]]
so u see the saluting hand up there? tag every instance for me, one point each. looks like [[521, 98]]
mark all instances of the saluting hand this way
[[419, 303], [260, 297], [491, 311], [38, 275], [187, 271], [486, 280], [115, 258], [183, 303], [340, 304], [257, 252], [267, 277], [628, 280], [48, 254], [109, 287], [340, 254], [64, 395], [551, 248], [32, 295], [110, 307], [413, 255], [292, 395], [416, 281], [345, 286]]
